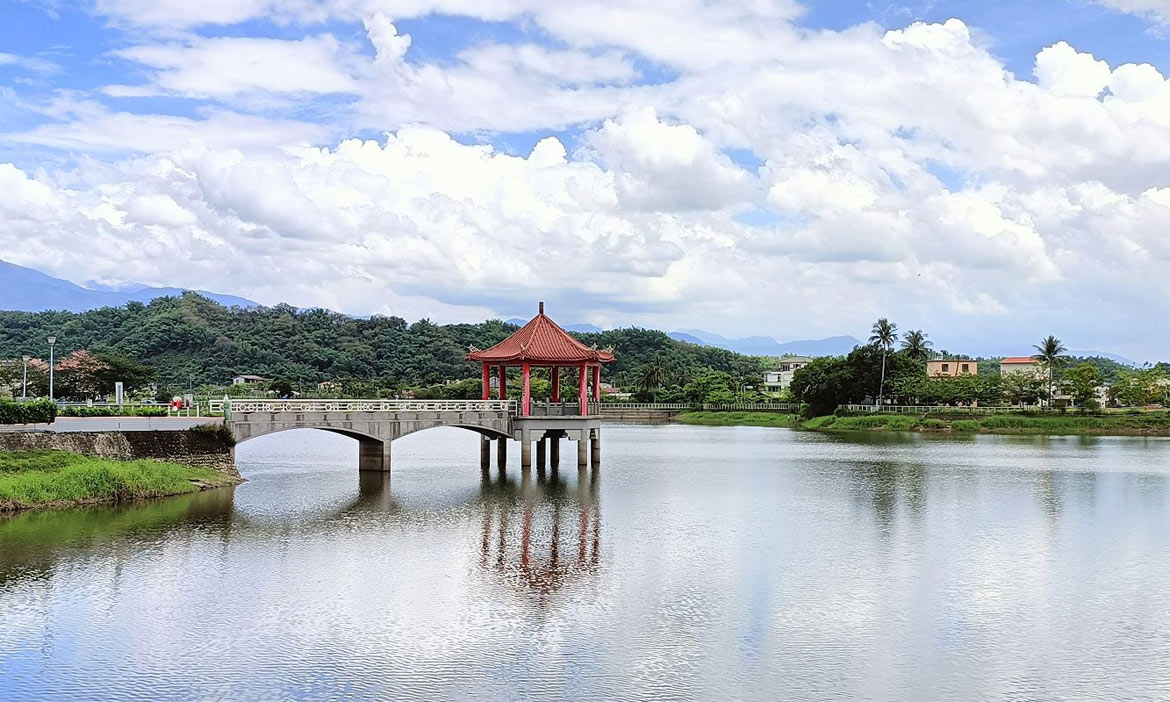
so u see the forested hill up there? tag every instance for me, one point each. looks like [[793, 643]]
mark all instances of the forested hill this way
[[191, 338]]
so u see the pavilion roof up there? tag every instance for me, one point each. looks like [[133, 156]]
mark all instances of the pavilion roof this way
[[540, 341]]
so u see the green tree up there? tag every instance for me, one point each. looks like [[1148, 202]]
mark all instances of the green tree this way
[[1024, 388], [917, 346], [1083, 380], [1051, 352], [710, 386], [884, 334], [1140, 387]]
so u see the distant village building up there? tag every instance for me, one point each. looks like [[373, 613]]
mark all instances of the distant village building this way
[[780, 379], [950, 367], [248, 379], [1021, 364]]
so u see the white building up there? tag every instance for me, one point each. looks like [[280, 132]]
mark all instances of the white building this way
[[245, 379], [778, 380]]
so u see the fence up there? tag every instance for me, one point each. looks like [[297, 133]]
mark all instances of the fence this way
[[361, 405], [936, 409]]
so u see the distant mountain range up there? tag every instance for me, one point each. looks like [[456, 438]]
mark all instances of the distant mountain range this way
[[767, 346], [27, 290]]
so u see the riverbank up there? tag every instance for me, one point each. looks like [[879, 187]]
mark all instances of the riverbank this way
[[1146, 424], [731, 419], [44, 478]]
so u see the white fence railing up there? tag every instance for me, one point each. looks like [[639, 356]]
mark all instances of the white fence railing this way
[[927, 409], [249, 405]]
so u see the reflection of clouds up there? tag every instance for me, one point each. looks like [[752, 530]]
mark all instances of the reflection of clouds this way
[[542, 535]]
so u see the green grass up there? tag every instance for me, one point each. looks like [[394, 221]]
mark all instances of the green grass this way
[[1150, 424], [727, 419], [57, 478], [1117, 424]]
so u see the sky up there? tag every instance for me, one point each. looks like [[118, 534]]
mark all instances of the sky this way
[[988, 171]]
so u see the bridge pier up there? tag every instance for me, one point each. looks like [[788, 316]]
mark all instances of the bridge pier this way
[[374, 455], [485, 452], [501, 453], [540, 453], [582, 452], [554, 451], [595, 447], [525, 452]]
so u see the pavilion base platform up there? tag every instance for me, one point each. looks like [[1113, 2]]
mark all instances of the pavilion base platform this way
[[586, 431]]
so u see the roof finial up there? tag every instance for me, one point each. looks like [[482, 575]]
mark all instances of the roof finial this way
[[542, 308]]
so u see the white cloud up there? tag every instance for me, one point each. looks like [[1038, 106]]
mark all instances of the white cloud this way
[[230, 66], [1062, 70], [1156, 10], [907, 171]]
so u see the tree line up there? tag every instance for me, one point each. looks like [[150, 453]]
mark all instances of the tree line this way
[[881, 372], [189, 342]]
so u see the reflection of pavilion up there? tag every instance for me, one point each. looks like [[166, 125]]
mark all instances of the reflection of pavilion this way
[[543, 534]]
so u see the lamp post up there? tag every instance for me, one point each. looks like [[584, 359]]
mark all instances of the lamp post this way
[[24, 383], [52, 340]]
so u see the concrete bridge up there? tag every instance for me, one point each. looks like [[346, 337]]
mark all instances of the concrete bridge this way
[[377, 423]]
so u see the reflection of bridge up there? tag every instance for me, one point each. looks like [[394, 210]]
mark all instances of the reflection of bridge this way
[[377, 423]]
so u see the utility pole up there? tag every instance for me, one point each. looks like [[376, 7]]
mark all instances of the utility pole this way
[[52, 340]]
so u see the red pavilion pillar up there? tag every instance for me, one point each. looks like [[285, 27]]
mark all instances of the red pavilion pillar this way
[[597, 383], [526, 398], [583, 391], [503, 372], [487, 382], [556, 383]]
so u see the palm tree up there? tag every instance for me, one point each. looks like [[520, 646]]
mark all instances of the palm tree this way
[[653, 374], [917, 345], [1050, 352], [885, 333]]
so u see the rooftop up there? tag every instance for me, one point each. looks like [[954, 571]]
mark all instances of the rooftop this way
[[1019, 359], [540, 342]]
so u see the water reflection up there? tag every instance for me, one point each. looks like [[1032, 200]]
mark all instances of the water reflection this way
[[733, 563], [559, 535]]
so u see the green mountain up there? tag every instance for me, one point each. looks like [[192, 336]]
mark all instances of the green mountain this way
[[192, 340]]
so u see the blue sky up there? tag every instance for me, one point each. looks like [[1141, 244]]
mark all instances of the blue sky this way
[[927, 169]]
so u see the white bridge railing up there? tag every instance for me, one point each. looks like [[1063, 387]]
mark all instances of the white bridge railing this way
[[248, 405]]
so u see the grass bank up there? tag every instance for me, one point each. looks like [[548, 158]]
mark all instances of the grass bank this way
[[59, 479], [1144, 424], [729, 419], [1148, 424]]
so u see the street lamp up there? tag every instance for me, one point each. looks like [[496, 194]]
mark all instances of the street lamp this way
[[52, 340], [24, 383]]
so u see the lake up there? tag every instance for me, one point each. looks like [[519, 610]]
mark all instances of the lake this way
[[707, 563]]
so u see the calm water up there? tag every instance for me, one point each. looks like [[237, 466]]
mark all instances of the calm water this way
[[701, 563]]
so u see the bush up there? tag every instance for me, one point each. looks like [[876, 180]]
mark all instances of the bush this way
[[124, 411], [34, 412], [966, 425], [218, 430]]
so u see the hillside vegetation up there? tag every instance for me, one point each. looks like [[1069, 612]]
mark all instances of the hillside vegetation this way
[[191, 341]]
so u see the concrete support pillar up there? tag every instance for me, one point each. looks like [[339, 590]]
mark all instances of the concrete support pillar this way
[[595, 448], [485, 453], [374, 455], [554, 451], [582, 452], [525, 453], [540, 453], [501, 453]]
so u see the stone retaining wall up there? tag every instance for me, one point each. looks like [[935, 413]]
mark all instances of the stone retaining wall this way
[[190, 448]]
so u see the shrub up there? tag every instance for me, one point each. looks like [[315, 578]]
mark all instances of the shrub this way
[[218, 430], [124, 411], [966, 425], [34, 412]]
